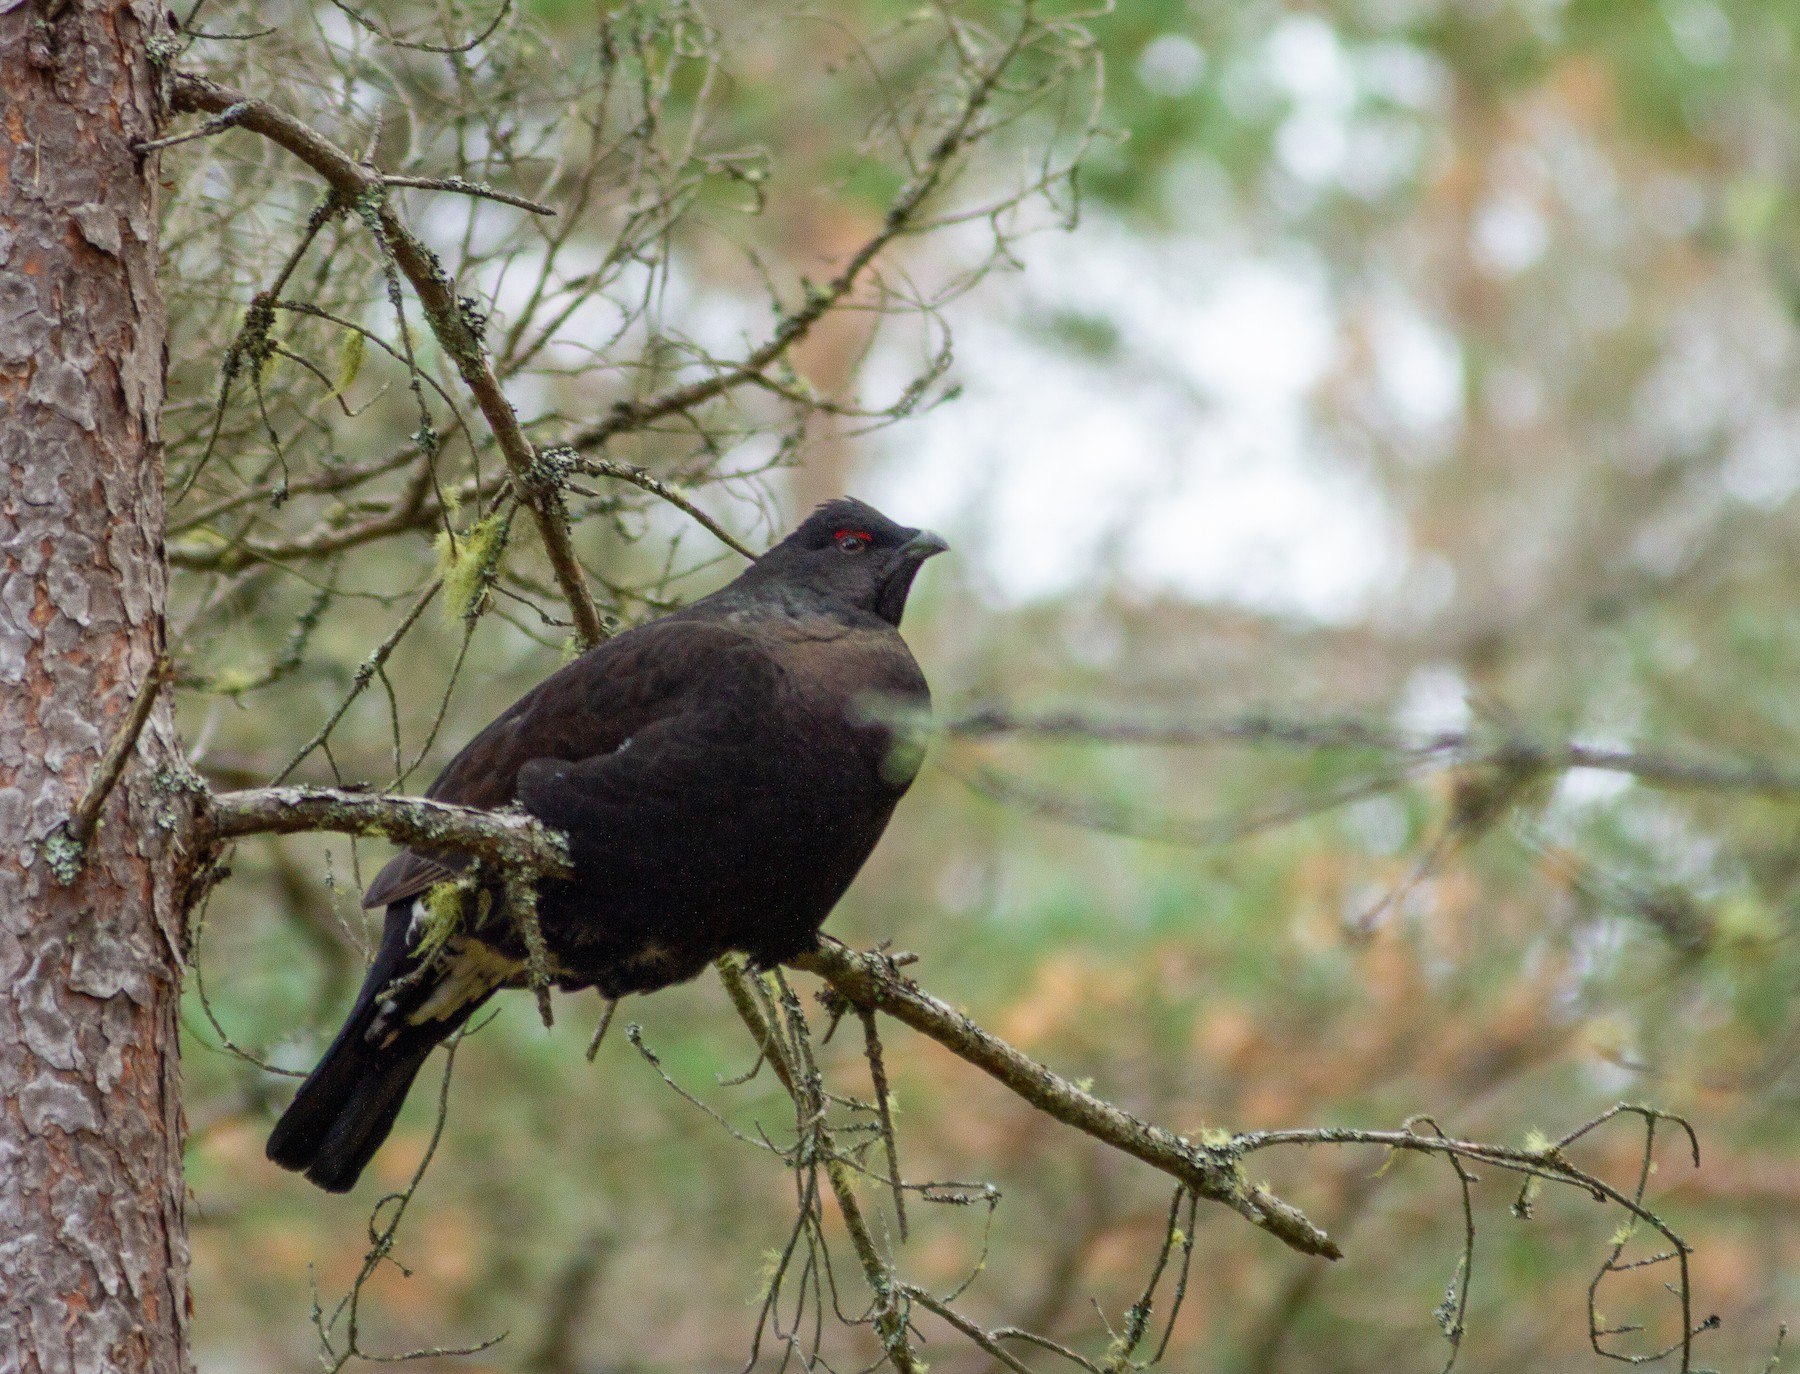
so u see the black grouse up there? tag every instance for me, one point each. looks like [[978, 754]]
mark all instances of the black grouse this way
[[721, 774]]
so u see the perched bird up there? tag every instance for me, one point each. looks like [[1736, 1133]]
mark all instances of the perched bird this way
[[721, 774]]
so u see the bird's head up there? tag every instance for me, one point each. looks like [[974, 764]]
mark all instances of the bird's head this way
[[851, 553]]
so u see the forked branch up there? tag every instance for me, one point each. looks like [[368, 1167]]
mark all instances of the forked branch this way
[[364, 190], [874, 982]]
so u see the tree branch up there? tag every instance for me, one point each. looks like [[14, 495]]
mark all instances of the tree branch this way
[[66, 847], [511, 840], [118, 754], [645, 481], [1456, 748], [1545, 1160], [801, 1080], [329, 537], [901, 218], [520, 847], [874, 982], [364, 189]]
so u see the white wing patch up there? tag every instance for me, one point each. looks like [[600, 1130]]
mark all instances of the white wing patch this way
[[463, 971], [470, 971]]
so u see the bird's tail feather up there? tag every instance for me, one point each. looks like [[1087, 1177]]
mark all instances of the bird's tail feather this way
[[345, 1109], [347, 1105]]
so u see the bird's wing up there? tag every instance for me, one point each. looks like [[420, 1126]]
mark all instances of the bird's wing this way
[[744, 761], [584, 711]]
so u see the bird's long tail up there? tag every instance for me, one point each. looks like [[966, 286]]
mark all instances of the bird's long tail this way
[[348, 1104], [345, 1109]]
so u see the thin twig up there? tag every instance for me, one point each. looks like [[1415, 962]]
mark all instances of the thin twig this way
[[362, 187], [364, 675], [469, 188], [226, 119], [902, 214], [879, 1080], [792, 1061], [873, 981], [1544, 1161], [606, 1020], [626, 472]]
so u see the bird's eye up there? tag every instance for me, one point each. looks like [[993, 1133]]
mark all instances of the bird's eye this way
[[852, 541]]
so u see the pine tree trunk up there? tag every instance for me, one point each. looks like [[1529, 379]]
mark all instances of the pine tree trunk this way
[[93, 1247]]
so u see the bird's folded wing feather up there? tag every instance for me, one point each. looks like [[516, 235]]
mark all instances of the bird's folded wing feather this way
[[585, 711]]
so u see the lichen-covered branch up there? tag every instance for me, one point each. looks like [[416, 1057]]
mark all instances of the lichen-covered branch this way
[[794, 1067], [79, 828], [510, 839], [332, 537], [873, 981], [519, 847], [362, 188], [902, 217], [1214, 1169], [1542, 1160]]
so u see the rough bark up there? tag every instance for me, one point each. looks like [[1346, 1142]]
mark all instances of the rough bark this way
[[93, 1251]]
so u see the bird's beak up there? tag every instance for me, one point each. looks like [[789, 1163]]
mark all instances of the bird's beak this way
[[923, 545], [897, 573]]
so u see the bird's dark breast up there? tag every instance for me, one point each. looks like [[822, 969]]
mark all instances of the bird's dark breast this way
[[740, 829]]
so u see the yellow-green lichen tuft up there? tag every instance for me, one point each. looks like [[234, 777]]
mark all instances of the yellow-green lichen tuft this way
[[351, 349], [230, 682], [468, 564], [444, 906]]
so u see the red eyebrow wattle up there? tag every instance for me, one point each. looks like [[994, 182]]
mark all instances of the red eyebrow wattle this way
[[860, 534]]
